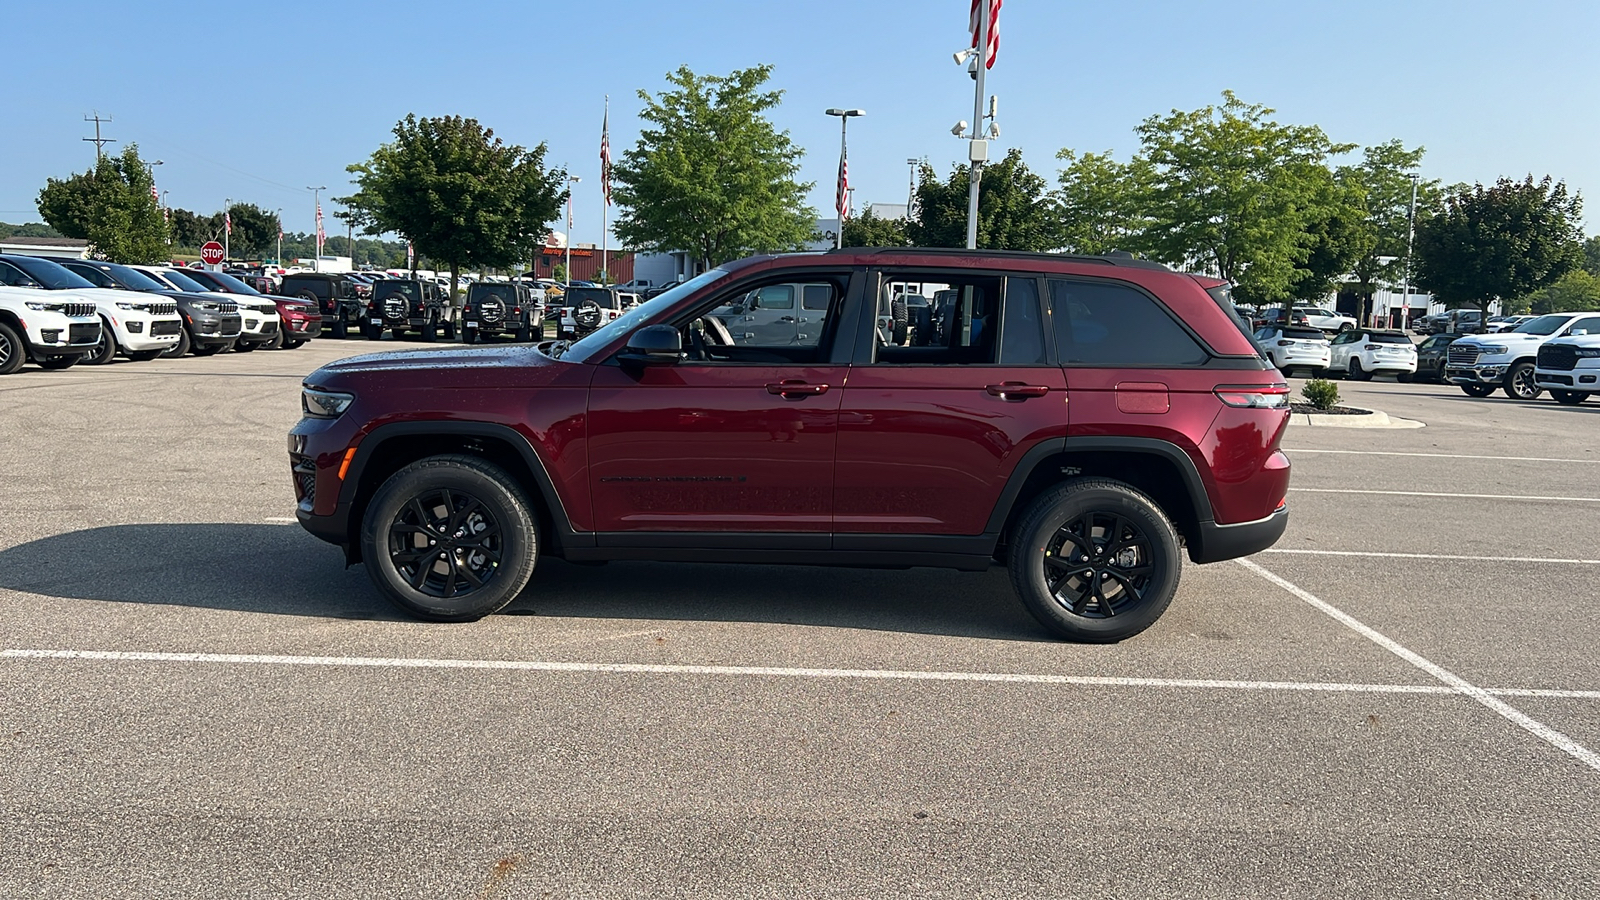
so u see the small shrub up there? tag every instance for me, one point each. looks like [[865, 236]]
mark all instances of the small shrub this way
[[1321, 393]]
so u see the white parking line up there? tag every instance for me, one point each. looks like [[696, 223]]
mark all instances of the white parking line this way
[[1437, 494], [1455, 682], [1380, 555], [281, 520], [766, 672], [1439, 455]]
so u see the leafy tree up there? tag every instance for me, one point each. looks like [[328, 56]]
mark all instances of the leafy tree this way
[[111, 207], [460, 194], [1384, 177], [1499, 243], [1013, 212], [1577, 291], [1335, 237], [1233, 191], [1591, 255], [255, 231], [867, 230], [559, 272], [189, 230], [31, 229], [1101, 203], [710, 173]]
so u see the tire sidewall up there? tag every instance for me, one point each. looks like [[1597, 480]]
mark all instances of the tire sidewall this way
[[492, 487]]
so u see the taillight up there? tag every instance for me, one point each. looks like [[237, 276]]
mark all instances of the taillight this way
[[1254, 396], [1372, 346], [1286, 343]]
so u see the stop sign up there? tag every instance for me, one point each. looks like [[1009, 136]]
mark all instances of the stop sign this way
[[211, 253]]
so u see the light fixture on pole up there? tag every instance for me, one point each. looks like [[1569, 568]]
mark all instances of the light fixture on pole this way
[[571, 179], [841, 197], [316, 199]]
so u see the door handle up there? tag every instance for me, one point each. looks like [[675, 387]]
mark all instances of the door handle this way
[[789, 389], [1016, 390]]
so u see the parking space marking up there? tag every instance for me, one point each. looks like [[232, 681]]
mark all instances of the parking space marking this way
[[1439, 494], [1381, 555], [1438, 455], [1455, 682], [515, 665], [281, 520]]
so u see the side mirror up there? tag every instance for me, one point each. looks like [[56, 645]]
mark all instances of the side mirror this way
[[653, 345]]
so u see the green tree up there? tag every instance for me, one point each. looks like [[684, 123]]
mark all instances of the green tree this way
[[1591, 255], [1499, 243], [1100, 204], [111, 207], [255, 231], [460, 194], [710, 174], [1013, 208], [1576, 291], [867, 230], [1233, 191], [1384, 177], [31, 229], [1335, 236]]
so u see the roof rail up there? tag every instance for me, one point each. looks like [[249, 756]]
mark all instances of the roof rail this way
[[1114, 258]]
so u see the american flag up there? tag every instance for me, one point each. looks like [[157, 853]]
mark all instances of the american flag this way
[[994, 30], [155, 194], [320, 236], [605, 155], [841, 199], [227, 221]]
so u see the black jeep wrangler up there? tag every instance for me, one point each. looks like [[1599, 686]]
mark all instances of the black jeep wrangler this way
[[335, 295], [494, 308], [408, 304]]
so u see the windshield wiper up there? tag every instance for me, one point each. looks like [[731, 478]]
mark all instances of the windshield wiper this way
[[557, 348]]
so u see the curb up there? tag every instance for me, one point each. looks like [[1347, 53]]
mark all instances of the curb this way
[[1377, 419]]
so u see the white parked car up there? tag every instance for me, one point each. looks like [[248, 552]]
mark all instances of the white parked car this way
[[1326, 319], [1482, 363], [1362, 354], [140, 324], [1498, 324], [260, 315], [1569, 367], [1294, 347], [55, 330]]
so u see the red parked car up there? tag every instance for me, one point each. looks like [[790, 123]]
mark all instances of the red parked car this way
[[1084, 421], [301, 319]]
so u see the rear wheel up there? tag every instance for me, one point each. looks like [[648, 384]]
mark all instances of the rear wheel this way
[[1095, 560], [1568, 398], [1520, 384], [1478, 390], [12, 353], [450, 538], [1356, 372]]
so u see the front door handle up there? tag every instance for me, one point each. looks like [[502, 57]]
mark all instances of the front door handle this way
[[796, 389], [1016, 390]]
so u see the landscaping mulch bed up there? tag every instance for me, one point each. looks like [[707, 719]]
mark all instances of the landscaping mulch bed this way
[[1336, 411]]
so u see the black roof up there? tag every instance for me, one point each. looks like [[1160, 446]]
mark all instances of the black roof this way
[[1114, 258]]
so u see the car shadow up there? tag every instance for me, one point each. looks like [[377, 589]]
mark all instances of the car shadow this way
[[281, 570]]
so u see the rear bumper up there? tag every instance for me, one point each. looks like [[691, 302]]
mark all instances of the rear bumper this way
[[1215, 543]]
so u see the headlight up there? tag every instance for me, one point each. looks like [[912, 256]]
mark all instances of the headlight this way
[[1493, 349], [1589, 352], [42, 305], [324, 404], [208, 307], [121, 305]]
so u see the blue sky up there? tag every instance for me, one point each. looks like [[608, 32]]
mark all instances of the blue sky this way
[[255, 102]]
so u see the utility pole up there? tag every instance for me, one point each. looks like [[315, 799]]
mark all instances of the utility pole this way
[[98, 141], [1411, 234], [978, 148]]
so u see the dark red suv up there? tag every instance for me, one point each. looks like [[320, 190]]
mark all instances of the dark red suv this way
[[1080, 420]]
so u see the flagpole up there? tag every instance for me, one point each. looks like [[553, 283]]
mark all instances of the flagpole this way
[[227, 230], [605, 191], [976, 172]]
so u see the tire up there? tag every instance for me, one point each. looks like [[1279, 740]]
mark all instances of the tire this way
[[901, 320], [13, 353], [1568, 398], [429, 332], [1357, 373], [1345, 326], [182, 347], [1065, 518], [449, 327], [277, 342], [402, 512], [586, 317], [291, 345], [242, 347], [1519, 383], [144, 355], [211, 350], [58, 362], [1405, 377], [373, 332], [470, 336], [1478, 390], [524, 334], [105, 351]]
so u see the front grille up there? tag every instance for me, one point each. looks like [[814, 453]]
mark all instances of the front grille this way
[[83, 332], [305, 481], [1463, 356], [231, 325], [226, 306], [79, 309], [169, 326], [1558, 356], [162, 309]]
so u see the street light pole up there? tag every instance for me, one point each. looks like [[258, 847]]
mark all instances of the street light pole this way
[[316, 202], [978, 148], [571, 179], [279, 257], [842, 203], [1411, 232]]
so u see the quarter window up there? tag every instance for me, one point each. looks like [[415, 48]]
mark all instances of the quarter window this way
[[1103, 324]]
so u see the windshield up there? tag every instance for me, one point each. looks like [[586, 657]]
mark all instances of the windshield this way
[[581, 351], [227, 283], [1543, 325], [184, 282], [601, 297], [54, 276], [135, 280]]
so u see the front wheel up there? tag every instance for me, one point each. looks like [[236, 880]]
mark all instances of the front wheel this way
[[105, 351], [144, 355], [1095, 561], [12, 352], [1568, 398], [1520, 384], [182, 347], [58, 362], [242, 347], [1478, 390], [450, 538]]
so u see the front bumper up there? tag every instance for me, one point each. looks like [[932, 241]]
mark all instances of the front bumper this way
[[1482, 373], [1579, 378]]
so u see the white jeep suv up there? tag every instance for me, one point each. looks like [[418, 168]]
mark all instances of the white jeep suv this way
[[55, 330], [1294, 347], [1482, 363], [139, 324], [1569, 367], [260, 315], [1326, 319], [1362, 354]]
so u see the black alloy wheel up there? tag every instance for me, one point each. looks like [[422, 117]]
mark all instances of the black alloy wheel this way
[[1095, 560], [12, 354], [450, 538], [1356, 372], [1520, 384]]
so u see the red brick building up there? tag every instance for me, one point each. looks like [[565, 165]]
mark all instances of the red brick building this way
[[586, 263]]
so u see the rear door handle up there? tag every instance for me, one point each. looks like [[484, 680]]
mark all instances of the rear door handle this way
[[790, 389], [1016, 390]]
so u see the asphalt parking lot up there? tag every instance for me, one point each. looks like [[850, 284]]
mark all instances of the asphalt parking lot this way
[[1401, 699]]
